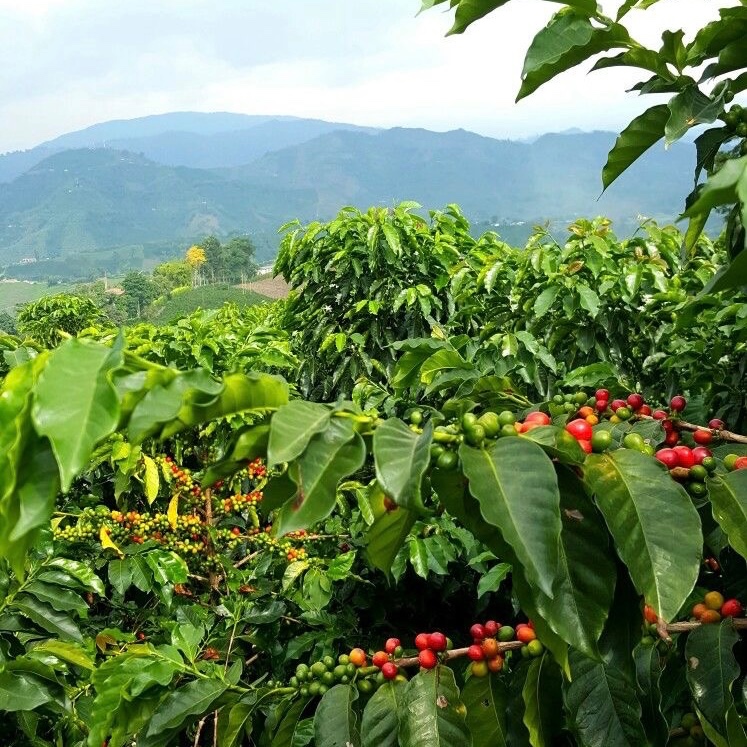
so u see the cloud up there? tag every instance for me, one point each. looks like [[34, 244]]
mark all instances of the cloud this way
[[71, 63]]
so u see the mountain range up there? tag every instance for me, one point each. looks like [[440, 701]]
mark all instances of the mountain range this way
[[129, 193]]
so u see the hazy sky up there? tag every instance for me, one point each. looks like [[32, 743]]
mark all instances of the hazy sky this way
[[71, 63]]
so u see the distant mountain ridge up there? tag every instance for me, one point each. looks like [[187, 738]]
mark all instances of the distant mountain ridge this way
[[126, 193]]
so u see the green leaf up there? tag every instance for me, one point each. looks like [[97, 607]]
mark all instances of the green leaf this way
[[331, 455], [419, 557], [486, 700], [728, 494], [543, 303], [336, 720], [234, 719], [566, 41], [386, 536], [558, 443], [56, 623], [286, 730], [589, 299], [643, 132], [22, 693], [63, 600], [184, 704], [648, 673], [586, 576], [292, 427], [543, 706], [80, 572], [491, 581], [380, 723], [68, 652], [641, 503], [689, 108], [433, 713], [712, 670], [603, 706], [733, 275], [402, 458], [76, 418], [517, 488]]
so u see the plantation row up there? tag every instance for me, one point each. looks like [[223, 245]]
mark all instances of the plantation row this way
[[199, 551]]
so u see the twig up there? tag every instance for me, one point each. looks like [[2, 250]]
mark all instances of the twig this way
[[200, 726], [721, 433]]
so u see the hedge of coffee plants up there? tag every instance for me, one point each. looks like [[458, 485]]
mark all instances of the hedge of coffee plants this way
[[450, 493], [503, 535]]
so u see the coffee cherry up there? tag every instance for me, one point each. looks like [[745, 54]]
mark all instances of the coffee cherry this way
[[389, 670], [540, 418], [492, 628], [700, 453], [479, 669], [709, 617], [668, 457], [650, 615], [579, 429], [659, 415], [678, 403], [740, 463], [732, 608], [422, 641], [525, 634], [702, 436], [506, 633], [490, 648], [713, 600], [358, 657], [601, 405], [496, 663], [535, 648], [379, 659], [437, 641], [391, 645], [475, 652], [477, 632], [635, 401], [602, 394], [685, 456], [716, 424], [427, 659], [698, 610]]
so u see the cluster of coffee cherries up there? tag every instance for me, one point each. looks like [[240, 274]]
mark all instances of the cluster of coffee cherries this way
[[689, 732], [384, 660], [486, 653], [714, 607]]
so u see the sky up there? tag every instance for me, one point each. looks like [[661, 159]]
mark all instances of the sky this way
[[68, 64]]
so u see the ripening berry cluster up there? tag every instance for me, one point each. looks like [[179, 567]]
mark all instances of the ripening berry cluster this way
[[316, 678], [486, 652]]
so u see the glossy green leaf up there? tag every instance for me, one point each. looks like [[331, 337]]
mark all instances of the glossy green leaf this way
[[491, 581], [336, 720], [79, 572], [734, 275], [21, 693], [286, 729], [689, 108], [57, 623], [648, 669], [728, 494], [543, 704], [712, 670], [62, 600], [486, 701], [330, 456], [293, 426], [184, 704], [566, 41], [517, 488], [641, 504], [386, 536], [558, 443], [603, 706], [402, 457], [76, 418], [380, 723], [643, 132], [67, 652], [433, 714]]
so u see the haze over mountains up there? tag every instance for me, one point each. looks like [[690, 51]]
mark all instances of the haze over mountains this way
[[129, 193]]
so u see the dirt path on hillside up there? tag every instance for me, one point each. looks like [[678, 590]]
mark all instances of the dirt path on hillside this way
[[268, 286]]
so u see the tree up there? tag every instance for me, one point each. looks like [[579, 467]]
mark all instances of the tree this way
[[139, 291], [230, 262], [703, 76], [175, 274]]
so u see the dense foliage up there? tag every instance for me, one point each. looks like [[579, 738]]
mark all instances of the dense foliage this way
[[190, 554]]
